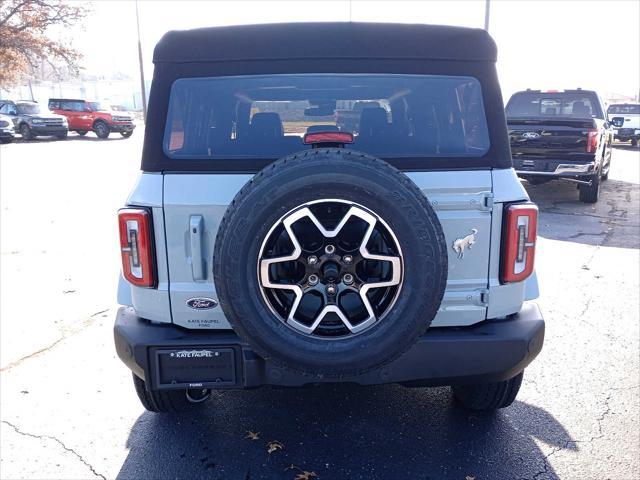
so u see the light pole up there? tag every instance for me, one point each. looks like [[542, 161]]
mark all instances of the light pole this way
[[142, 89], [486, 15]]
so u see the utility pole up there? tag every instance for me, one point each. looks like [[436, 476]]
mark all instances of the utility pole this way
[[142, 89], [486, 15]]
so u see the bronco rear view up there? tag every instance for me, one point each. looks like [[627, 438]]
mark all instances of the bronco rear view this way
[[331, 209]]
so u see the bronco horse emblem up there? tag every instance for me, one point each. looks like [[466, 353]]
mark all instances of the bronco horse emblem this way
[[465, 242]]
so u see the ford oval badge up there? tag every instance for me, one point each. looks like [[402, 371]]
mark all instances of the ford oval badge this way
[[202, 303]]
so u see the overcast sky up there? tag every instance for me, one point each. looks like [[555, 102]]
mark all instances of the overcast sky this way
[[541, 44]]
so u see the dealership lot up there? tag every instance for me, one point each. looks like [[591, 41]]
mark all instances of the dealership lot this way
[[68, 407]]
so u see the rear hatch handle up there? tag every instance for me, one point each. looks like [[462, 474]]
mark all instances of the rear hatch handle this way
[[198, 264]]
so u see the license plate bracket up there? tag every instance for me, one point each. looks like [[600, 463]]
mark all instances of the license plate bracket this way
[[194, 367]]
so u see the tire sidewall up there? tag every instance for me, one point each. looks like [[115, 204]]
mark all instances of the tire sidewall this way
[[403, 209], [101, 129]]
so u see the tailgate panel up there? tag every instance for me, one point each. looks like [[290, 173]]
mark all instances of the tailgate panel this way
[[461, 199]]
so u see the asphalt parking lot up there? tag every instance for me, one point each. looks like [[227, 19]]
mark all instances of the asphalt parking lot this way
[[68, 408]]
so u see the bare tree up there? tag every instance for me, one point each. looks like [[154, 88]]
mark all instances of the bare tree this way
[[24, 40]]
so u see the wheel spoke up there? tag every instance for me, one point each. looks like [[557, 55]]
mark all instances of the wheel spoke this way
[[329, 307]]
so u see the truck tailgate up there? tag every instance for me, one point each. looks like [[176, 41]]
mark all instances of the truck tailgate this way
[[558, 139]]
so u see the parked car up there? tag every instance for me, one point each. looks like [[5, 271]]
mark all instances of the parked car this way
[[560, 134], [31, 120], [85, 116], [256, 255], [627, 116], [7, 129]]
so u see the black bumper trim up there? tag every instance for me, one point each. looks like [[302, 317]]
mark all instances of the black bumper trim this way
[[48, 130], [119, 128], [488, 352]]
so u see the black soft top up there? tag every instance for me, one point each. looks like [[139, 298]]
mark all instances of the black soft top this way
[[325, 40], [316, 48]]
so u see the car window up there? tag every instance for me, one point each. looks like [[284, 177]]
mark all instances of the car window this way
[[568, 104], [29, 108], [54, 105], [72, 106], [622, 109], [267, 116], [8, 109]]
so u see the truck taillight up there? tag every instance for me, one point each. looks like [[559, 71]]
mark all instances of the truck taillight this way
[[592, 141], [136, 245], [519, 242]]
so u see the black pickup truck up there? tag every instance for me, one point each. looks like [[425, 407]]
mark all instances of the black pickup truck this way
[[560, 134]]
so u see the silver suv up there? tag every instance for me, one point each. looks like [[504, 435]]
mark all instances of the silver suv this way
[[266, 243]]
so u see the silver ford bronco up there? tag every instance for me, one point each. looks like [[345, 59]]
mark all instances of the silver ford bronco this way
[[327, 202]]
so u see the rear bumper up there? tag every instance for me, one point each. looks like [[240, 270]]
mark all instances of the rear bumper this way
[[553, 168], [491, 351]]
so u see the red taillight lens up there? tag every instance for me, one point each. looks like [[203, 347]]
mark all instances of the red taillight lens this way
[[136, 246], [519, 243], [328, 137], [592, 141]]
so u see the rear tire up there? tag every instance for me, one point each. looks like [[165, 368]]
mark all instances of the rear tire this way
[[25, 131], [169, 401], [590, 193], [126, 134], [634, 142], [488, 396], [101, 129], [82, 133]]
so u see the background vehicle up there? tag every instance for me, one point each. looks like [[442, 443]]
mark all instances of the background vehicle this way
[[560, 134], [31, 120], [264, 245], [628, 116], [85, 116], [6, 129]]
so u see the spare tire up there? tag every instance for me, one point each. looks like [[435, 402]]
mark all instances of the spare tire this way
[[330, 262]]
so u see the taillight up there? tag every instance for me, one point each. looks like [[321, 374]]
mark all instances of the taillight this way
[[519, 242], [136, 246], [592, 141]]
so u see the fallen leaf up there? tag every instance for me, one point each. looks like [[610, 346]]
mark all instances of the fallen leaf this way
[[307, 475], [252, 435], [273, 446]]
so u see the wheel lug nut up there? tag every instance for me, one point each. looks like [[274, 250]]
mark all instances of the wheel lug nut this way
[[312, 260], [347, 278], [313, 279], [331, 289], [329, 249], [347, 259]]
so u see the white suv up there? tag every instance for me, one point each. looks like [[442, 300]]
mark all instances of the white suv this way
[[625, 118]]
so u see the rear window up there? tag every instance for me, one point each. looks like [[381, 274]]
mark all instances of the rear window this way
[[267, 116], [622, 109], [563, 104]]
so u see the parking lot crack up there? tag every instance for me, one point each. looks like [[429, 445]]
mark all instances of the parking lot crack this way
[[59, 442], [83, 325]]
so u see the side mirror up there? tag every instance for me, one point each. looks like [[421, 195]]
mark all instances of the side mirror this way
[[617, 121]]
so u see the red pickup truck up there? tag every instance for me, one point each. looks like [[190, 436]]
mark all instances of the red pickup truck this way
[[84, 116]]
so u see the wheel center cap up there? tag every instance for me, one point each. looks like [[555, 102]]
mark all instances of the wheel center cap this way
[[330, 272]]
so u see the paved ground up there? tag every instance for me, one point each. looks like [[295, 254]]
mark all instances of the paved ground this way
[[69, 411]]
